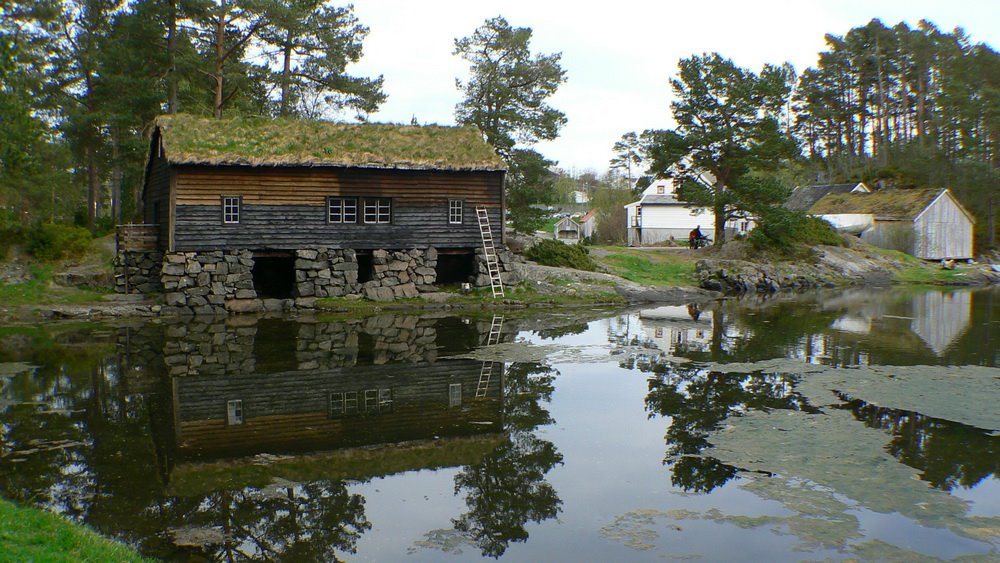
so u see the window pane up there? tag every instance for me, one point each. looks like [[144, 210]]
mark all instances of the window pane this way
[[231, 210], [455, 211], [234, 412], [350, 210], [455, 395], [336, 404]]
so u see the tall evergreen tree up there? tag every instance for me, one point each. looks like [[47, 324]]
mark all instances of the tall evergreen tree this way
[[313, 44], [506, 94], [728, 125]]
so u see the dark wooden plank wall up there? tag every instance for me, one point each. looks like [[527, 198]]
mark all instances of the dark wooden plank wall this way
[[286, 208], [291, 410], [156, 199]]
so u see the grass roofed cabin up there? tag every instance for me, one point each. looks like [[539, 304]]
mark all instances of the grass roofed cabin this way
[[288, 184], [928, 223], [249, 208]]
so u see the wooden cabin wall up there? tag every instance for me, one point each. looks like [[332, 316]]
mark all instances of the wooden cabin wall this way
[[156, 199], [290, 410], [286, 208], [943, 231]]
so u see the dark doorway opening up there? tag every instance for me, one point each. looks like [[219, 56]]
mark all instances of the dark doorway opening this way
[[274, 346], [364, 266], [455, 267], [274, 276]]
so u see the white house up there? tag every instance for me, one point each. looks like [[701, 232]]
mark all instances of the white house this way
[[580, 197], [927, 223], [658, 216]]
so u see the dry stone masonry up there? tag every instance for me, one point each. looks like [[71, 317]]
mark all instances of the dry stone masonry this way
[[138, 271], [221, 282]]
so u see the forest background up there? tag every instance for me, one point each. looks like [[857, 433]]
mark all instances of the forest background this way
[[81, 82]]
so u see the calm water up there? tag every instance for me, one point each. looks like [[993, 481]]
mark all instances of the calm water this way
[[861, 425]]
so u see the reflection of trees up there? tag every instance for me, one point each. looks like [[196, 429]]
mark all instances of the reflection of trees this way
[[564, 330], [507, 489], [286, 522], [698, 401], [947, 453]]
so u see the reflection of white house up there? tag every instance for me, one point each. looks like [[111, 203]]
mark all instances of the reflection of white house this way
[[672, 327], [927, 223], [572, 230], [658, 216]]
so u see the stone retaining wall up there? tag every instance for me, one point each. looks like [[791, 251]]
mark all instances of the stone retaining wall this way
[[141, 269], [506, 260]]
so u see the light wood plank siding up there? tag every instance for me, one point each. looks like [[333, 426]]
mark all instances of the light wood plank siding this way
[[285, 208], [943, 231]]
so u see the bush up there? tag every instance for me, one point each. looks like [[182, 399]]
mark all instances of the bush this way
[[554, 253], [781, 228], [50, 241]]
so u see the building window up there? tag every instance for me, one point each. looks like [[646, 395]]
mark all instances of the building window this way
[[455, 211], [231, 209], [342, 210], [661, 189], [455, 395], [234, 412], [637, 218], [369, 401], [378, 210]]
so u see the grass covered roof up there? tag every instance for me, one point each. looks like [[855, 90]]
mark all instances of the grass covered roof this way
[[886, 204], [257, 141]]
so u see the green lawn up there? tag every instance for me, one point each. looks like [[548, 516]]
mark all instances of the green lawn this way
[[649, 267], [30, 534], [40, 291]]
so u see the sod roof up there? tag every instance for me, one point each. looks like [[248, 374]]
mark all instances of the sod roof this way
[[887, 204], [296, 142]]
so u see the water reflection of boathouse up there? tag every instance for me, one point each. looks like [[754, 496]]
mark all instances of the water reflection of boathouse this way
[[279, 386]]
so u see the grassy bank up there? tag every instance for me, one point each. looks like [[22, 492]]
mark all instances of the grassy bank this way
[[649, 267], [40, 290], [30, 534]]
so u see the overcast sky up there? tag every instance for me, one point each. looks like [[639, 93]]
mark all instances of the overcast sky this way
[[619, 55]]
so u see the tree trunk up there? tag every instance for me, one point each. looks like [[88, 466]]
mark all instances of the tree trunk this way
[[93, 184], [720, 214], [286, 75], [116, 176], [172, 105], [220, 53]]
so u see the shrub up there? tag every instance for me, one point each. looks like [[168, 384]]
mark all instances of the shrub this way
[[50, 241], [554, 253], [781, 228]]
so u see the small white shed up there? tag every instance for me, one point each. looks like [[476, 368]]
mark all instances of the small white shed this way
[[927, 223]]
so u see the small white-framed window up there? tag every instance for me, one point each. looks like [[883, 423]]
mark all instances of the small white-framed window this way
[[231, 209], [455, 207], [455, 395], [661, 189], [234, 412], [342, 210], [377, 210]]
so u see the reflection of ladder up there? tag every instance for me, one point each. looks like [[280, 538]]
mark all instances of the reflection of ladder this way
[[487, 370], [492, 265]]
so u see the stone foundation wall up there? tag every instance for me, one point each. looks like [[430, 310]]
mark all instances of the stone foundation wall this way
[[335, 273], [216, 283], [508, 273], [141, 271], [209, 283]]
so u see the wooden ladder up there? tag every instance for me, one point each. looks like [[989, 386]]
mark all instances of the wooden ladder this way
[[487, 370], [492, 265]]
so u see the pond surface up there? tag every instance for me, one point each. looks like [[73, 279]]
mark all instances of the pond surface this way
[[831, 426]]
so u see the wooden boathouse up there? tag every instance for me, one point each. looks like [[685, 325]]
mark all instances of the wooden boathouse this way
[[258, 208]]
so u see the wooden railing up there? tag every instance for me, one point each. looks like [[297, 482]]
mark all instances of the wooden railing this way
[[134, 237]]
